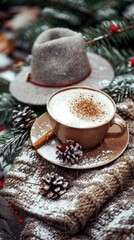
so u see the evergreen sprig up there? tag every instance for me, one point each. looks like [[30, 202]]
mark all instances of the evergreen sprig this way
[[11, 147], [7, 104], [7, 134], [120, 5], [112, 9], [102, 35], [58, 14], [122, 87]]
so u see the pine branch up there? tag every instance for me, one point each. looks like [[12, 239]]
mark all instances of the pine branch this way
[[7, 134], [118, 94], [7, 104], [101, 35], [111, 9], [62, 16], [106, 36], [76, 5], [101, 5], [122, 87], [124, 67], [119, 5], [119, 57], [10, 149]]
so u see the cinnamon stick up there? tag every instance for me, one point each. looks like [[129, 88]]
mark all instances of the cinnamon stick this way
[[43, 139]]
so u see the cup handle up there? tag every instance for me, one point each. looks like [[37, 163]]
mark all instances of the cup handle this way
[[119, 122]]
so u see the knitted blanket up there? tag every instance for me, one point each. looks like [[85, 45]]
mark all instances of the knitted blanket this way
[[115, 221], [85, 199]]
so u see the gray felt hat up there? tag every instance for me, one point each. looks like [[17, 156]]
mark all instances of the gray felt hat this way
[[59, 59]]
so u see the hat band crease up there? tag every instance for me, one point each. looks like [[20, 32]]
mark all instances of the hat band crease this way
[[29, 79]]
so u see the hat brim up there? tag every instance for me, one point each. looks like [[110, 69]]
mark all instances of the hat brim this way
[[101, 75]]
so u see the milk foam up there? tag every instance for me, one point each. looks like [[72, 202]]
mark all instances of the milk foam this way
[[60, 108]]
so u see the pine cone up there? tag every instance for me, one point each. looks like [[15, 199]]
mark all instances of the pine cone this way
[[126, 109], [53, 185], [23, 118], [69, 152]]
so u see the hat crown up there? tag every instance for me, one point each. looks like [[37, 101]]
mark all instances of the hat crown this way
[[59, 58]]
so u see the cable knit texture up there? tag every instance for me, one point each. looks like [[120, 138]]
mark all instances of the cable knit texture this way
[[89, 190], [97, 205], [114, 221]]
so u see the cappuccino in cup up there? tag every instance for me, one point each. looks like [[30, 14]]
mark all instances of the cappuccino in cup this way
[[81, 108], [82, 114]]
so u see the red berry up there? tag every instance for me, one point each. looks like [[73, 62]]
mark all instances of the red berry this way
[[1, 128], [1, 183], [20, 220], [16, 213], [114, 28], [132, 62], [10, 204]]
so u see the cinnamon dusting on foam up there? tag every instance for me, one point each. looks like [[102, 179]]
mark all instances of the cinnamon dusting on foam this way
[[86, 108]]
